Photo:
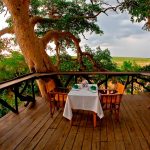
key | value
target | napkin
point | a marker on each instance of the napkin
(93, 87)
(75, 86)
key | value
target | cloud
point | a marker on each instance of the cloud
(121, 36)
(3, 18)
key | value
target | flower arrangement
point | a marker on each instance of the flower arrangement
(84, 83)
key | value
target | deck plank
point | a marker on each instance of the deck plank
(51, 127)
(73, 132)
(110, 128)
(131, 126)
(96, 138)
(81, 132)
(24, 127)
(135, 113)
(24, 114)
(35, 129)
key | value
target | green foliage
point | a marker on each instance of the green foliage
(145, 68)
(12, 66)
(4, 95)
(35, 7)
(2, 9)
(139, 9)
(130, 66)
(73, 16)
(104, 58)
(67, 63)
(3, 111)
(101, 57)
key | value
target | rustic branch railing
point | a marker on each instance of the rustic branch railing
(15, 84)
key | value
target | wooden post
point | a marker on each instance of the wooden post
(32, 86)
(132, 85)
(16, 90)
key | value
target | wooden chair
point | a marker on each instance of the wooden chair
(120, 88)
(111, 99)
(57, 96)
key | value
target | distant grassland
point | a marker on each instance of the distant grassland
(138, 61)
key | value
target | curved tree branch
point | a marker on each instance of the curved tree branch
(81, 54)
(38, 19)
(56, 36)
(101, 11)
(52, 35)
(8, 30)
(95, 65)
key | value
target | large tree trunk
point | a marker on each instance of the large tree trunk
(31, 46)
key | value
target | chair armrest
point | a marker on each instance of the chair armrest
(61, 90)
(58, 96)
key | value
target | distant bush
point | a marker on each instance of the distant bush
(145, 68)
(130, 66)
(13, 66)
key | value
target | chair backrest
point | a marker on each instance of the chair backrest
(120, 88)
(57, 95)
(50, 86)
(110, 98)
(111, 101)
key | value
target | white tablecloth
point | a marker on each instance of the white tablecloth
(83, 99)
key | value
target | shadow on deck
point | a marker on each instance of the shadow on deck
(35, 129)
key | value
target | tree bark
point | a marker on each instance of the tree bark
(31, 46)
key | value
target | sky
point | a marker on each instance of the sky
(122, 37)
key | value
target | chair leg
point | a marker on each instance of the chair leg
(71, 122)
(94, 119)
(51, 112)
(118, 109)
(57, 104)
(117, 115)
(52, 108)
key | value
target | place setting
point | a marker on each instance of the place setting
(85, 86)
(93, 88)
(76, 87)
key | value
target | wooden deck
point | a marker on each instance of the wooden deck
(33, 128)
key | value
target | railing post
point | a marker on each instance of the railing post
(106, 83)
(16, 90)
(75, 78)
(32, 86)
(132, 80)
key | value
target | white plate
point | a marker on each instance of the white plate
(93, 91)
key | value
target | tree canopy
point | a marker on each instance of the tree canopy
(139, 10)
(75, 16)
